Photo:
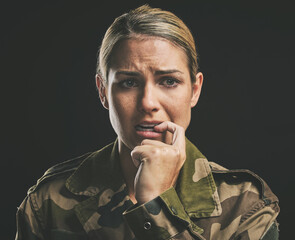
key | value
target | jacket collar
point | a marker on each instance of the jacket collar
(196, 184)
(102, 170)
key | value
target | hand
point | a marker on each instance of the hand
(158, 163)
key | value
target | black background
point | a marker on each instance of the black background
(51, 110)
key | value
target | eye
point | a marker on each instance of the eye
(128, 83)
(170, 82)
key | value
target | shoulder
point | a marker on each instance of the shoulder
(55, 180)
(50, 191)
(249, 207)
(59, 171)
(239, 181)
(49, 201)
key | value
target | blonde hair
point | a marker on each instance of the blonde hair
(150, 22)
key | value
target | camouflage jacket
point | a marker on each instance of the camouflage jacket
(86, 198)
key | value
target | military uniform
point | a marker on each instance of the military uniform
(87, 198)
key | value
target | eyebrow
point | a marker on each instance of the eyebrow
(129, 73)
(163, 72)
(158, 72)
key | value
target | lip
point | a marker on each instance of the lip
(150, 122)
(148, 125)
(148, 134)
(145, 129)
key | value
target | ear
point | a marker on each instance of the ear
(100, 84)
(196, 86)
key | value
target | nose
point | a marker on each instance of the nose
(148, 99)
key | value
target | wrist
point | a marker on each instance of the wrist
(142, 199)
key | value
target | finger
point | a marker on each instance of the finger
(152, 142)
(163, 127)
(138, 156)
(177, 131)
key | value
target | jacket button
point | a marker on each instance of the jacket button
(174, 210)
(147, 225)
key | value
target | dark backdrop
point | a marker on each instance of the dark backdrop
(51, 109)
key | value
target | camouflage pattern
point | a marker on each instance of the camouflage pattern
(86, 198)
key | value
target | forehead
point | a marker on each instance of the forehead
(152, 51)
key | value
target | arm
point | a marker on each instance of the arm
(27, 225)
(261, 224)
(165, 218)
(162, 218)
(272, 233)
(159, 213)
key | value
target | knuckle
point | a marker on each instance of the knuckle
(155, 151)
(175, 150)
(183, 156)
(181, 129)
(135, 149)
(179, 154)
(165, 151)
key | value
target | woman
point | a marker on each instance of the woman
(151, 183)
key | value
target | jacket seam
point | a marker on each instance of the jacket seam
(34, 204)
(47, 178)
(258, 206)
(212, 185)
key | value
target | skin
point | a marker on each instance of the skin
(149, 81)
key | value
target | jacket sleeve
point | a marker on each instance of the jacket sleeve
(272, 232)
(261, 224)
(28, 227)
(162, 218)
(165, 218)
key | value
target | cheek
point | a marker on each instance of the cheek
(121, 105)
(118, 114)
(179, 109)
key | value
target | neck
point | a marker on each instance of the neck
(128, 168)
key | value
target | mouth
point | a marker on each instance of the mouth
(145, 130)
(146, 127)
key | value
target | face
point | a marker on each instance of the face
(148, 83)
